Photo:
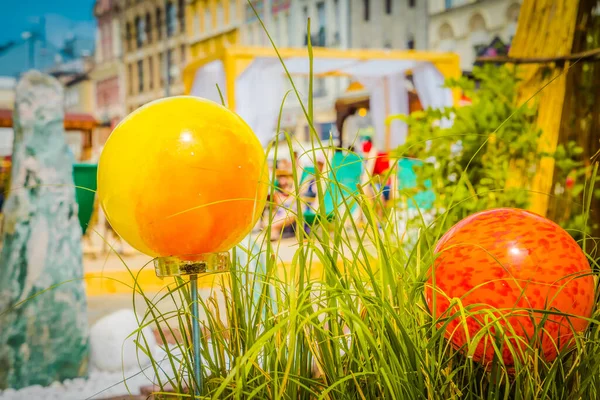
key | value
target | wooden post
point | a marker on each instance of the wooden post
(546, 29)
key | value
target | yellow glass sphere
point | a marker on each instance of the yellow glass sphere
(182, 176)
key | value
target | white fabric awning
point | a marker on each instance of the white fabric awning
(261, 87)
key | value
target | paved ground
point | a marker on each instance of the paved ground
(109, 280)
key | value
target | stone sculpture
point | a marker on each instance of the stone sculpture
(43, 322)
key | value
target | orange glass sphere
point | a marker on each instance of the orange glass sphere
(507, 263)
(182, 176)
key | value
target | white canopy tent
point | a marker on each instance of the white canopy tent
(253, 82)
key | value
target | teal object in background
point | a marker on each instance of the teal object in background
(308, 172)
(407, 179)
(85, 178)
(342, 185)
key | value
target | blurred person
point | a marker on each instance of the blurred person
(350, 129)
(284, 201)
(377, 180)
(308, 189)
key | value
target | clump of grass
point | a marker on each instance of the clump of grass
(346, 319)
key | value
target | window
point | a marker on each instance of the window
(479, 35)
(128, 36)
(170, 64)
(196, 22)
(320, 89)
(327, 130)
(150, 72)
(410, 43)
(305, 15)
(130, 78)
(161, 68)
(140, 32)
(181, 15)
(140, 68)
(290, 30)
(105, 29)
(158, 24)
(171, 19)
(446, 38)
(277, 23)
(412, 3)
(182, 54)
(249, 35)
(338, 22)
(366, 10)
(388, 6)
(305, 23)
(71, 98)
(107, 92)
(207, 18)
(148, 28)
(336, 11)
(220, 15)
(448, 3)
(321, 20)
(232, 11)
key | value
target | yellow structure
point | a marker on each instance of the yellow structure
(236, 59)
(546, 28)
(154, 45)
(211, 26)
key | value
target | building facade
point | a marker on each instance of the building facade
(341, 24)
(108, 74)
(392, 24)
(155, 49)
(471, 28)
(286, 23)
(211, 25)
(7, 102)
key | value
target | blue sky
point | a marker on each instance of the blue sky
(62, 17)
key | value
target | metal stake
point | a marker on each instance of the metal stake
(196, 335)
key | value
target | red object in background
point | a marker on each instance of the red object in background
(464, 100)
(570, 183)
(506, 263)
(367, 146)
(382, 163)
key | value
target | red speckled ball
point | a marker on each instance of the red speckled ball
(507, 263)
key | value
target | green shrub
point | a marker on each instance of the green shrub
(498, 157)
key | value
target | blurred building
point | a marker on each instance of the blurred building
(108, 74)
(341, 24)
(155, 49)
(286, 23)
(7, 92)
(472, 28)
(392, 24)
(211, 25)
(79, 93)
(7, 102)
